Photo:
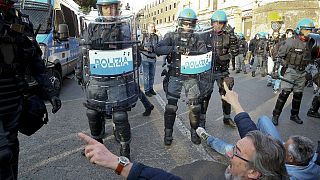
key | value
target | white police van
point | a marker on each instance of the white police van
(58, 35)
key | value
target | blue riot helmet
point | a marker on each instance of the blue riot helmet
(187, 20)
(108, 7)
(219, 20)
(262, 35)
(240, 35)
(304, 24)
(219, 16)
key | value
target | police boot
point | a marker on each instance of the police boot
(313, 111)
(253, 73)
(296, 102)
(226, 108)
(283, 96)
(194, 137)
(168, 136)
(125, 149)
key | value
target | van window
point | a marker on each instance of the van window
(71, 21)
(59, 19)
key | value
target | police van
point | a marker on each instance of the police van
(56, 23)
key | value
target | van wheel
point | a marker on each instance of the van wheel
(56, 81)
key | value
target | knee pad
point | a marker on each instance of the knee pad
(5, 156)
(120, 117)
(171, 109)
(92, 114)
(96, 124)
(195, 109)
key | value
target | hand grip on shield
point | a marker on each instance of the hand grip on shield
(229, 81)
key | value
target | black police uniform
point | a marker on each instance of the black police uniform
(114, 95)
(174, 44)
(223, 45)
(17, 54)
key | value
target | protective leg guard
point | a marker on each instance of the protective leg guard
(170, 116)
(204, 108)
(313, 111)
(296, 102)
(96, 124)
(125, 149)
(283, 96)
(122, 129)
(194, 116)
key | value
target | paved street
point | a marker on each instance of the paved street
(54, 151)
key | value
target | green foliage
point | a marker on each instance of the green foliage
(86, 4)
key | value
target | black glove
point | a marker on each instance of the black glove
(56, 104)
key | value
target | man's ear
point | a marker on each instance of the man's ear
(253, 174)
(290, 159)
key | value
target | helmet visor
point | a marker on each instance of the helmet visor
(187, 25)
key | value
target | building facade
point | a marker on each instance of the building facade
(248, 17)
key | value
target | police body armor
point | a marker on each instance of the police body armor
(111, 69)
(261, 49)
(13, 42)
(297, 55)
(192, 65)
(242, 47)
(221, 53)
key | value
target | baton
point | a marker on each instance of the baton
(283, 79)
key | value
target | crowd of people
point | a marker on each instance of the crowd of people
(194, 61)
(261, 153)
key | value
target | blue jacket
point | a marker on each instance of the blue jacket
(140, 172)
(244, 124)
(310, 172)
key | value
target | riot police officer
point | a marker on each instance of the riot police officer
(111, 90)
(261, 55)
(243, 48)
(223, 43)
(19, 53)
(176, 44)
(294, 56)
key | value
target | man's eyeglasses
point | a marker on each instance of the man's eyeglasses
(235, 153)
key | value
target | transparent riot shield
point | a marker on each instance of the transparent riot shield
(111, 66)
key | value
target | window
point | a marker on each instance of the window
(165, 20)
(157, 21)
(59, 19)
(158, 11)
(160, 21)
(170, 7)
(175, 5)
(155, 12)
(161, 10)
(166, 8)
(172, 17)
(71, 21)
(169, 19)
